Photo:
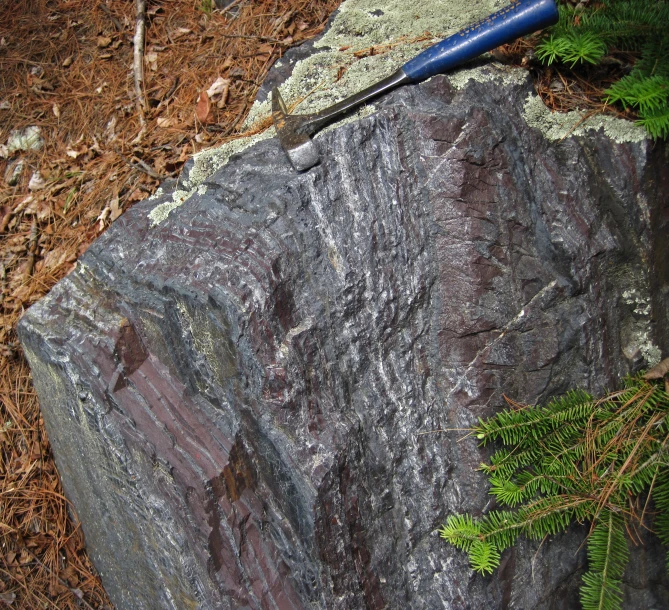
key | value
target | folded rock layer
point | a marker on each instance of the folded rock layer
(250, 402)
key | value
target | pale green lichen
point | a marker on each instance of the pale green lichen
(158, 194)
(205, 163)
(637, 338)
(361, 24)
(162, 211)
(559, 125)
(506, 75)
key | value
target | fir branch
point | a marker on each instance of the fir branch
(656, 122)
(483, 557)
(574, 460)
(607, 557)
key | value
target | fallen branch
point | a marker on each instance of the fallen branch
(261, 38)
(140, 166)
(114, 20)
(138, 66)
(32, 249)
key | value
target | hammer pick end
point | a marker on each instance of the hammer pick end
(301, 151)
(278, 105)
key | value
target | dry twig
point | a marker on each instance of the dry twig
(138, 65)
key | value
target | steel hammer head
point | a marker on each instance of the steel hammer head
(293, 132)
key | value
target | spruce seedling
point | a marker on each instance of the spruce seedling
(586, 35)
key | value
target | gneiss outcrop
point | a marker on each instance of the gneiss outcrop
(244, 399)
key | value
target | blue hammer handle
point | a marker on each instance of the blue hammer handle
(520, 18)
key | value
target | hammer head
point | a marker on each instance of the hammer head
(293, 134)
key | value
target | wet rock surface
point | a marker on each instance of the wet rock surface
(237, 397)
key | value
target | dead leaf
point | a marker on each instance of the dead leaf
(166, 121)
(110, 129)
(102, 217)
(8, 598)
(103, 42)
(203, 108)
(115, 208)
(658, 371)
(151, 59)
(137, 195)
(218, 86)
(22, 205)
(55, 258)
(41, 84)
(38, 208)
(37, 183)
(159, 164)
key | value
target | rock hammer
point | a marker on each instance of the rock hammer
(520, 18)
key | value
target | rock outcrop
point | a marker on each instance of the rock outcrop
(244, 400)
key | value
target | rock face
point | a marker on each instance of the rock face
(237, 397)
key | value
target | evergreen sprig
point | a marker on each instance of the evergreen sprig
(586, 35)
(577, 459)
(607, 558)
